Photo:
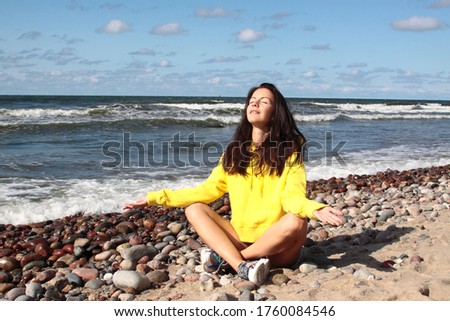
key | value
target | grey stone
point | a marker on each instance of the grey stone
(127, 280)
(135, 252)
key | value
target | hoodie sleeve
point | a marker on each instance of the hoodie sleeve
(213, 188)
(293, 197)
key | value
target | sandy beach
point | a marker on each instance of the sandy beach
(393, 246)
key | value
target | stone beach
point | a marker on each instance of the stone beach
(394, 245)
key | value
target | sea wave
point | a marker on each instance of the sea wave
(213, 114)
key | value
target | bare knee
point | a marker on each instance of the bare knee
(194, 211)
(294, 226)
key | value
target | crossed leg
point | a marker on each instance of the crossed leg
(281, 243)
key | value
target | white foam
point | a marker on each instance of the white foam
(198, 106)
(25, 201)
(373, 161)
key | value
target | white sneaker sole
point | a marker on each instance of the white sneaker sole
(258, 274)
(205, 258)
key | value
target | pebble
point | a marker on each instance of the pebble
(224, 280)
(207, 285)
(192, 277)
(245, 286)
(220, 296)
(131, 281)
(94, 284)
(136, 252)
(86, 274)
(12, 294)
(246, 296)
(386, 214)
(74, 279)
(307, 267)
(157, 276)
(59, 259)
(315, 284)
(34, 290)
(363, 274)
(280, 279)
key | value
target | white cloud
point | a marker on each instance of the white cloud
(168, 29)
(115, 26)
(440, 4)
(211, 12)
(310, 74)
(213, 81)
(418, 24)
(164, 63)
(249, 35)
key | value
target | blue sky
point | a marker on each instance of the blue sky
(308, 48)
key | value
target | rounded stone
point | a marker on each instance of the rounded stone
(86, 274)
(280, 279)
(74, 279)
(94, 284)
(131, 281)
(307, 267)
(135, 252)
(34, 290)
(157, 276)
(363, 274)
(12, 294)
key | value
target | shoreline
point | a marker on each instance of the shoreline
(392, 247)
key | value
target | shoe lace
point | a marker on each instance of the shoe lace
(219, 262)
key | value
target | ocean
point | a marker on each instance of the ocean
(60, 155)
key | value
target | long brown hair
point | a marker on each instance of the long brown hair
(284, 140)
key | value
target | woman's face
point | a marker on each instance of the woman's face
(261, 108)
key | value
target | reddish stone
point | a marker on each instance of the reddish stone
(58, 252)
(144, 260)
(135, 240)
(5, 287)
(5, 252)
(8, 263)
(86, 274)
(68, 248)
(149, 224)
(192, 277)
(17, 247)
(30, 258)
(45, 276)
(416, 259)
(39, 240)
(43, 249)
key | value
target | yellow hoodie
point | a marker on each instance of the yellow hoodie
(257, 201)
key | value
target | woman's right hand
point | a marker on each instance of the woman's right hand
(139, 203)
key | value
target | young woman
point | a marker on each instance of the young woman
(262, 170)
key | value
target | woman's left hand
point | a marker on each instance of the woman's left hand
(330, 215)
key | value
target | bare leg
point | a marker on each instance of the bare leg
(216, 232)
(282, 242)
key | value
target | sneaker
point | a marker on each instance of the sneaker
(254, 271)
(211, 261)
